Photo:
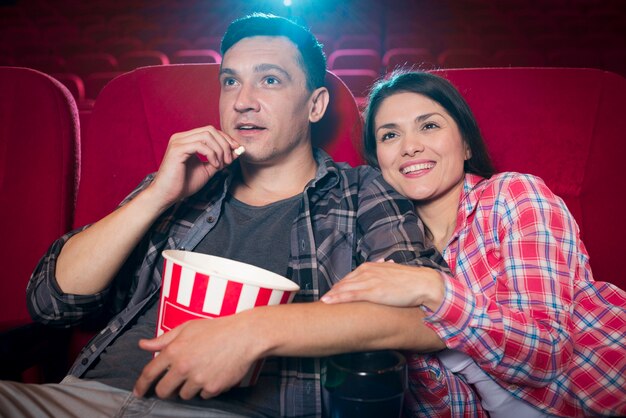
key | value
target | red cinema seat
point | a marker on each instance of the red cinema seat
(95, 82)
(518, 57)
(39, 146)
(73, 83)
(408, 39)
(358, 41)
(117, 46)
(92, 62)
(359, 81)
(463, 58)
(567, 127)
(169, 45)
(44, 63)
(39, 170)
(408, 57)
(134, 59)
(136, 114)
(364, 59)
(195, 56)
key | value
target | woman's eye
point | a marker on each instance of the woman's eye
(430, 125)
(388, 135)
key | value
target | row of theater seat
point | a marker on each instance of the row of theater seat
(495, 36)
(432, 25)
(86, 74)
(363, 40)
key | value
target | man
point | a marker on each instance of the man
(321, 220)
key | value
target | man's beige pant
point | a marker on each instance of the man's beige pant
(74, 397)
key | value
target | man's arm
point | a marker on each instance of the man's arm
(90, 260)
(210, 356)
(99, 251)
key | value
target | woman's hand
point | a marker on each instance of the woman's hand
(388, 283)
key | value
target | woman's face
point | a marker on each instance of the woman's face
(419, 147)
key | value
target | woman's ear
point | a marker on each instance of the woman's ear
(468, 152)
(318, 104)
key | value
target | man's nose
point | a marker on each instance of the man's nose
(246, 100)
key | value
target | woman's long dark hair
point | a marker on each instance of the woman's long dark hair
(441, 91)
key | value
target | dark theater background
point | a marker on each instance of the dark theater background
(85, 43)
(567, 127)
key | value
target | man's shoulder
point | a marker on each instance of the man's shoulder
(365, 185)
(361, 175)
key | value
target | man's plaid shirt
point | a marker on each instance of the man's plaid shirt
(347, 216)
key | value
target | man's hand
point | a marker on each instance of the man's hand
(191, 159)
(205, 357)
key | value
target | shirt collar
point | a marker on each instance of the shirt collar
(327, 174)
(473, 186)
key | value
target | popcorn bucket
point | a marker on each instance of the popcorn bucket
(197, 286)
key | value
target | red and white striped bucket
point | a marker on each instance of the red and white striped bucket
(204, 286)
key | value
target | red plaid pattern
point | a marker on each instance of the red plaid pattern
(523, 304)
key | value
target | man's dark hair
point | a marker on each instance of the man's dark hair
(311, 59)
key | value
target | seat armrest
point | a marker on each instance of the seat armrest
(34, 348)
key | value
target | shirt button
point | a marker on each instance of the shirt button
(210, 219)
(84, 361)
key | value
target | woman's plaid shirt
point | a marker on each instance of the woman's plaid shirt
(523, 304)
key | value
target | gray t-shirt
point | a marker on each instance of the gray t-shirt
(250, 234)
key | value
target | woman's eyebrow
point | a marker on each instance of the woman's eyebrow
(420, 118)
(390, 125)
(423, 117)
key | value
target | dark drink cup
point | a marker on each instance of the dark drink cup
(366, 385)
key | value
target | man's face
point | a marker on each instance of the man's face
(264, 102)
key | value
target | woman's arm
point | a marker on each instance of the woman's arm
(508, 305)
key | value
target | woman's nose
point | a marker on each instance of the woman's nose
(412, 145)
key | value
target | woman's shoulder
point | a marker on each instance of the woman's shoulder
(511, 194)
(511, 183)
(513, 177)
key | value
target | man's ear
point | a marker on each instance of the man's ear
(318, 104)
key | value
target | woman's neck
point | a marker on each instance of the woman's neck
(439, 216)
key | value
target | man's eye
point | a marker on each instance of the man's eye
(229, 81)
(271, 80)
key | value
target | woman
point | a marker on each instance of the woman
(528, 331)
